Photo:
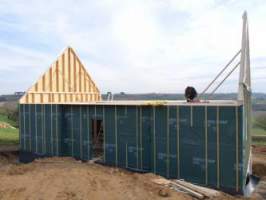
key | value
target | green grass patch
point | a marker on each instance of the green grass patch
(4, 118)
(9, 136)
(259, 142)
(258, 136)
(258, 131)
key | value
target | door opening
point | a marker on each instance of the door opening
(97, 138)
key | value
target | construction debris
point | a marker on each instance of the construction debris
(6, 125)
(191, 189)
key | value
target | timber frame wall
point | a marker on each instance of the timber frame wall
(65, 81)
(201, 144)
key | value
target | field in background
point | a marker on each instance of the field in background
(4, 118)
(9, 136)
(9, 133)
(259, 128)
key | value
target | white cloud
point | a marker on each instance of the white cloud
(134, 46)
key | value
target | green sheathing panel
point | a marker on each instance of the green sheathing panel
(160, 138)
(172, 140)
(192, 140)
(227, 130)
(242, 175)
(76, 137)
(211, 146)
(92, 115)
(48, 130)
(127, 135)
(202, 144)
(146, 158)
(27, 132)
(229, 147)
(67, 141)
(198, 128)
(33, 126)
(40, 128)
(110, 135)
(85, 133)
(123, 134)
(76, 131)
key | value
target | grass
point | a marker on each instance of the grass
(258, 131)
(4, 118)
(258, 136)
(9, 136)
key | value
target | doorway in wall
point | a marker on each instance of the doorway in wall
(97, 138)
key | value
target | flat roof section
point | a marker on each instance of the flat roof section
(157, 103)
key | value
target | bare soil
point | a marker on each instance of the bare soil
(259, 161)
(68, 179)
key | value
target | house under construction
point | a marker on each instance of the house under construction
(206, 142)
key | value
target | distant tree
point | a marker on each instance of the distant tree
(2, 99)
(10, 109)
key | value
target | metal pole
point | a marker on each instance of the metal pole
(224, 78)
(219, 74)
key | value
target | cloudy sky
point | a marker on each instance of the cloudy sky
(134, 46)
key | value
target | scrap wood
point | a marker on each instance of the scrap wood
(165, 182)
(202, 190)
(6, 125)
(188, 190)
(161, 181)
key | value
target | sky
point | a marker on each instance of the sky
(134, 46)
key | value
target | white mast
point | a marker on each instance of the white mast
(244, 91)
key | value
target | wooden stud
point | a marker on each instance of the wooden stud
(63, 72)
(57, 76)
(69, 70)
(41, 98)
(36, 87)
(79, 77)
(74, 73)
(43, 82)
(50, 79)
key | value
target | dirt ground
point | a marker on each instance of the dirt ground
(259, 161)
(68, 179)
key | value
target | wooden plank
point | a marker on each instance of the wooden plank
(43, 83)
(188, 190)
(79, 77)
(75, 75)
(69, 70)
(50, 79)
(63, 72)
(57, 76)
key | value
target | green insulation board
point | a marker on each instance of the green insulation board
(201, 144)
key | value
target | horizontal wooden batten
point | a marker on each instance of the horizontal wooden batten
(63, 93)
